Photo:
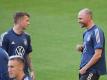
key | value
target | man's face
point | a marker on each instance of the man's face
(24, 22)
(83, 19)
(13, 68)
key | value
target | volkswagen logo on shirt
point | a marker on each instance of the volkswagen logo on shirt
(20, 51)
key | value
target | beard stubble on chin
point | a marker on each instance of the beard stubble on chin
(82, 25)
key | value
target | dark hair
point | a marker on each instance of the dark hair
(19, 15)
(18, 58)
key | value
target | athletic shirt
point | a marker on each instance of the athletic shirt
(15, 44)
(27, 78)
(94, 39)
(3, 65)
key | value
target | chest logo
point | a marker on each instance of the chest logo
(25, 42)
(20, 51)
(13, 42)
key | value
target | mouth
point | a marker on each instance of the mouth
(82, 25)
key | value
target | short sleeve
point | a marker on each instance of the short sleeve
(4, 41)
(29, 49)
(99, 39)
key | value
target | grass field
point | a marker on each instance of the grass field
(55, 33)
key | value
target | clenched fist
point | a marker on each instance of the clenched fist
(79, 48)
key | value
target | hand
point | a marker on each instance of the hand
(79, 48)
(83, 70)
(32, 75)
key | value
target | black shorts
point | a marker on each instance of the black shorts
(89, 76)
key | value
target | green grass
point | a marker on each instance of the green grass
(55, 33)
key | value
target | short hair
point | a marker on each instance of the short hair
(87, 11)
(19, 15)
(18, 58)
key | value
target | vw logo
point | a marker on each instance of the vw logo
(20, 51)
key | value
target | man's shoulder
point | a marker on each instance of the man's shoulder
(7, 33)
(3, 53)
(27, 78)
(4, 34)
(27, 34)
(98, 30)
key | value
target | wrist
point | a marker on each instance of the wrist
(86, 67)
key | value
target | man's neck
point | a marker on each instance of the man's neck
(90, 25)
(20, 76)
(17, 29)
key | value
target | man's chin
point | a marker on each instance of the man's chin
(12, 77)
(82, 26)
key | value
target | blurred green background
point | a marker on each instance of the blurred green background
(55, 32)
